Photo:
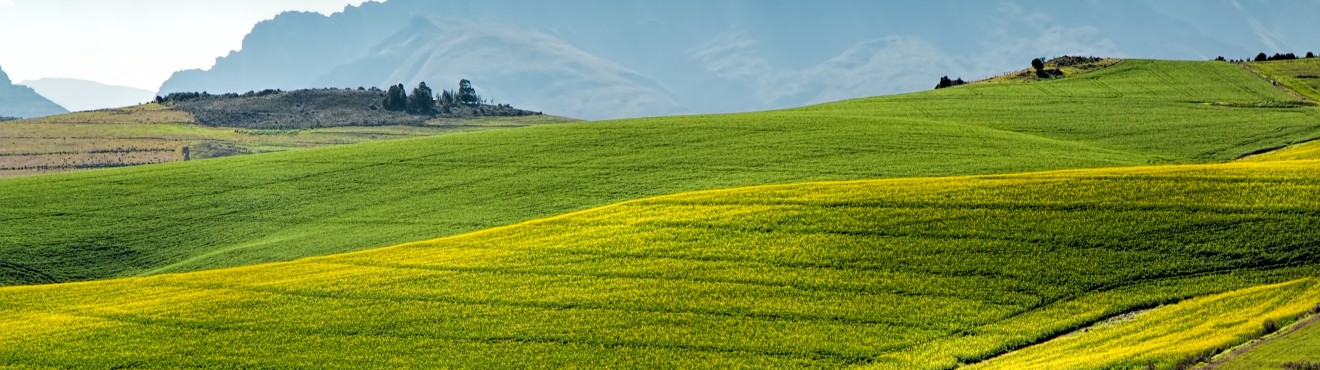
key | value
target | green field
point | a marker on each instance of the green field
(1297, 347)
(151, 134)
(1299, 75)
(1095, 221)
(908, 273)
(281, 206)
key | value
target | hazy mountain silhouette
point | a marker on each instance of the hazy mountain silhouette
(530, 70)
(725, 55)
(24, 102)
(81, 95)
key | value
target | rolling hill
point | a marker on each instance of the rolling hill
(282, 206)
(930, 273)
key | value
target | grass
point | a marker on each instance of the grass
(1298, 348)
(281, 206)
(924, 273)
(1170, 336)
(1299, 75)
(151, 133)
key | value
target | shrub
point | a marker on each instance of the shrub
(1269, 326)
(946, 82)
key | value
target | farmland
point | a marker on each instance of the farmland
(152, 133)
(282, 206)
(1136, 215)
(1299, 75)
(1296, 347)
(924, 273)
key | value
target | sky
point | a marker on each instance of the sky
(135, 43)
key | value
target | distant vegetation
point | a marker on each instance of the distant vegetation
(1262, 57)
(316, 108)
(945, 82)
(1041, 69)
(460, 103)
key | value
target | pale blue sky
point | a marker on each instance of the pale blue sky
(139, 43)
(135, 43)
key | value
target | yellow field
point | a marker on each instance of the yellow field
(910, 273)
(1207, 323)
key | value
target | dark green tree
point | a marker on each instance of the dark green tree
(447, 99)
(1262, 57)
(466, 94)
(1038, 64)
(944, 82)
(396, 99)
(422, 100)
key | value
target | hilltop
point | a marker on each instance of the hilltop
(313, 108)
(377, 194)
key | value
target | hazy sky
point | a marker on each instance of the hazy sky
(136, 43)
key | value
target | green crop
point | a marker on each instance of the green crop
(909, 273)
(282, 206)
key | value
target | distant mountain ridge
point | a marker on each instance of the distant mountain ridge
(619, 58)
(24, 102)
(531, 69)
(83, 95)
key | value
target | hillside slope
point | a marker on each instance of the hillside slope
(908, 273)
(281, 206)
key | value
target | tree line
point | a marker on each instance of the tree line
(423, 100)
(1262, 57)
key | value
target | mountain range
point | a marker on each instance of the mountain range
(24, 102)
(82, 95)
(620, 58)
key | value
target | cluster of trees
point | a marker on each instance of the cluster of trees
(1039, 65)
(188, 96)
(1289, 56)
(946, 82)
(1262, 57)
(423, 100)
